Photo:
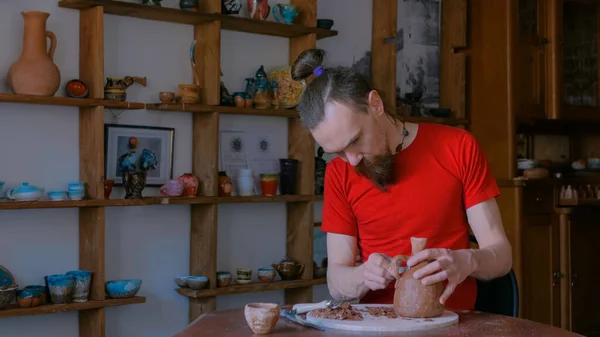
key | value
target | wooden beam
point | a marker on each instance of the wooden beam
(383, 55)
(453, 64)
(91, 165)
(302, 147)
(205, 157)
(554, 72)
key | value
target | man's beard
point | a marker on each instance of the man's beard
(381, 170)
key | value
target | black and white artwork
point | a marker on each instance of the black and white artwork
(417, 53)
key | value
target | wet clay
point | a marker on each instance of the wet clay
(411, 297)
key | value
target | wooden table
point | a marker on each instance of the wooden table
(231, 323)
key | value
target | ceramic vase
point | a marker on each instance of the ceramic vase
(134, 183)
(35, 73)
(190, 185)
(289, 168)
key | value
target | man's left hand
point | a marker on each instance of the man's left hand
(446, 264)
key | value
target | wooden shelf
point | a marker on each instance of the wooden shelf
(202, 108)
(67, 101)
(16, 311)
(7, 204)
(250, 288)
(579, 202)
(173, 15)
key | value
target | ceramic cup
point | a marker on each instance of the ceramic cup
(58, 195)
(266, 274)
(269, 183)
(61, 288)
(261, 317)
(244, 275)
(81, 289)
(76, 186)
(245, 186)
(76, 195)
(223, 279)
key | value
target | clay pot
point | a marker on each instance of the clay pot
(190, 185)
(261, 317)
(134, 183)
(225, 185)
(412, 298)
(35, 73)
(108, 185)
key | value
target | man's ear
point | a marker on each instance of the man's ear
(375, 103)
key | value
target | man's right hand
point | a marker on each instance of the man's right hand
(375, 271)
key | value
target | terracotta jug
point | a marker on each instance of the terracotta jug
(411, 297)
(35, 73)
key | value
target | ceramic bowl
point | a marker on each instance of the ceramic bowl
(76, 195)
(42, 290)
(320, 272)
(29, 298)
(261, 317)
(76, 186)
(223, 279)
(58, 195)
(76, 89)
(7, 296)
(196, 282)
(266, 274)
(166, 97)
(122, 288)
(324, 23)
(181, 282)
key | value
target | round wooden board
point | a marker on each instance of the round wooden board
(384, 324)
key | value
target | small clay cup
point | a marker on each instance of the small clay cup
(166, 97)
(261, 317)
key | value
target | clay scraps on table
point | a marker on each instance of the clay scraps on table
(344, 312)
(387, 312)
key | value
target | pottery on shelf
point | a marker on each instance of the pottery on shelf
(76, 89)
(289, 169)
(411, 297)
(152, 2)
(81, 288)
(58, 195)
(266, 274)
(7, 280)
(269, 183)
(25, 192)
(181, 282)
(122, 288)
(114, 89)
(258, 9)
(29, 297)
(134, 183)
(35, 73)
(108, 185)
(190, 5)
(39, 290)
(196, 282)
(166, 97)
(289, 269)
(223, 279)
(172, 188)
(261, 317)
(190, 184)
(61, 288)
(285, 13)
(244, 276)
(324, 23)
(7, 296)
(225, 185)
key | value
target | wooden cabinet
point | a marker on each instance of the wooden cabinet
(531, 58)
(580, 271)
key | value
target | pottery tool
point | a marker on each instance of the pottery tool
(291, 316)
(372, 323)
(302, 308)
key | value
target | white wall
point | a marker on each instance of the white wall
(39, 144)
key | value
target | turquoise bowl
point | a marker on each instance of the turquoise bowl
(122, 288)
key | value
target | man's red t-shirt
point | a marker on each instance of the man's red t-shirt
(439, 176)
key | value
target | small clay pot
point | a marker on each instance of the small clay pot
(223, 279)
(166, 97)
(261, 317)
(266, 274)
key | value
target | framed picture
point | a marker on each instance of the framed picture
(122, 139)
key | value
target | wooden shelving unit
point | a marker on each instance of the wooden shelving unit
(16, 311)
(67, 101)
(250, 288)
(228, 110)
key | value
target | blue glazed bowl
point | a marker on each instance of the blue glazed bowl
(123, 288)
(76, 195)
(78, 186)
(58, 195)
(60, 280)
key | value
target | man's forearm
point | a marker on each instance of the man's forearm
(492, 261)
(346, 282)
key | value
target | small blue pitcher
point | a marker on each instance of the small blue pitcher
(284, 13)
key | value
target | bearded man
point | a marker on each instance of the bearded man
(392, 181)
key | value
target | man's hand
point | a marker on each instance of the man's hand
(375, 271)
(451, 265)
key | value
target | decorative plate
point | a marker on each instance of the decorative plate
(6, 278)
